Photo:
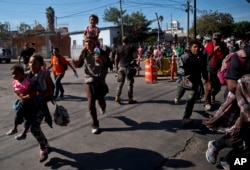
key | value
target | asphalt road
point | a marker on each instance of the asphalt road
(143, 136)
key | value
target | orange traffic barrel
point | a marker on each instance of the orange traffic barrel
(150, 70)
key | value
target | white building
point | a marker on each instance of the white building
(106, 37)
(176, 29)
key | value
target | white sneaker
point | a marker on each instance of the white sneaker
(176, 101)
(95, 130)
(211, 153)
(207, 107)
(102, 111)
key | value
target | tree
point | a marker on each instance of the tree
(4, 27)
(161, 19)
(23, 27)
(50, 14)
(134, 24)
(113, 15)
(241, 30)
(211, 22)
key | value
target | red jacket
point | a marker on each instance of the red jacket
(217, 56)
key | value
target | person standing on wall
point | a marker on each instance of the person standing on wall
(59, 65)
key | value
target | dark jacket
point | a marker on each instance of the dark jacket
(192, 66)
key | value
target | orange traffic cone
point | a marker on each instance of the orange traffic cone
(150, 70)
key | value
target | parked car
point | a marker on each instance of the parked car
(5, 55)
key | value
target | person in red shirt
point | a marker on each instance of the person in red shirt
(216, 51)
(57, 63)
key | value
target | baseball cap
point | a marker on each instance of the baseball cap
(217, 35)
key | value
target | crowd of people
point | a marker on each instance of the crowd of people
(198, 66)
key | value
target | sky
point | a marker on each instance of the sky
(74, 14)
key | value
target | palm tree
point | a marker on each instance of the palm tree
(161, 19)
(24, 27)
(50, 14)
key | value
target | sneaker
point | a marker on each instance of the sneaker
(102, 111)
(21, 136)
(43, 155)
(11, 132)
(224, 164)
(95, 130)
(132, 101)
(207, 107)
(117, 99)
(211, 153)
(176, 101)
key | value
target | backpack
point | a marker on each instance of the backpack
(61, 116)
(50, 96)
(226, 63)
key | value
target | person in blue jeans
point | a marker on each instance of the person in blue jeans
(58, 63)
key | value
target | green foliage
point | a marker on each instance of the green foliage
(151, 40)
(4, 27)
(211, 22)
(113, 15)
(241, 30)
(24, 27)
(50, 14)
(134, 24)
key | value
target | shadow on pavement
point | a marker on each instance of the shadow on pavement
(120, 158)
(177, 163)
(168, 125)
(72, 98)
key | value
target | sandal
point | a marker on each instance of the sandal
(43, 155)
(187, 121)
(11, 132)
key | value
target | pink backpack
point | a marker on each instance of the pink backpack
(226, 63)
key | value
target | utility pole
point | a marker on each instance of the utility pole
(158, 37)
(195, 19)
(187, 10)
(121, 18)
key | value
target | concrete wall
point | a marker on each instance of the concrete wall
(43, 44)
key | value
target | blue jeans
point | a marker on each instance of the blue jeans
(58, 85)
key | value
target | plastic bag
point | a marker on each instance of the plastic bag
(61, 116)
